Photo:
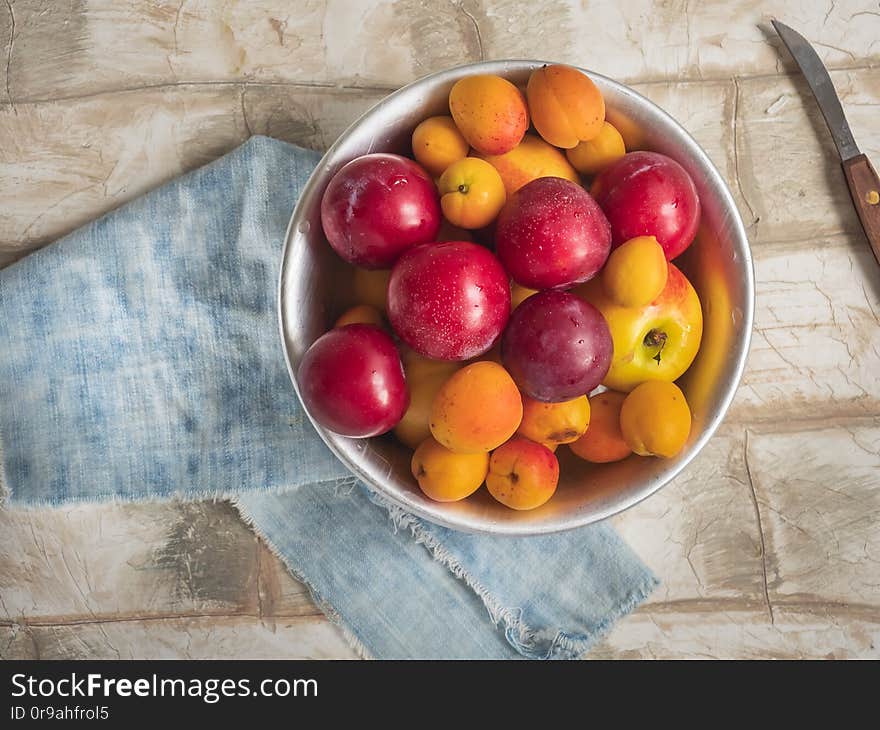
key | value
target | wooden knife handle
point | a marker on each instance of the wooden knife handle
(864, 186)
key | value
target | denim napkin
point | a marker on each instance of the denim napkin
(140, 359)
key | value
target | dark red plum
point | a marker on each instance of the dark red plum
(376, 207)
(450, 300)
(552, 234)
(352, 383)
(556, 346)
(649, 194)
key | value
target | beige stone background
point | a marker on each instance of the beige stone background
(768, 545)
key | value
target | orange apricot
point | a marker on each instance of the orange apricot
(522, 474)
(530, 159)
(554, 423)
(361, 314)
(477, 409)
(603, 442)
(490, 112)
(567, 107)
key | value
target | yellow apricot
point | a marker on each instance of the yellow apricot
(655, 419)
(518, 294)
(636, 272)
(437, 143)
(424, 378)
(594, 155)
(471, 193)
(371, 287)
(446, 476)
(418, 366)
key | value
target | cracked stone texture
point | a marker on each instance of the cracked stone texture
(781, 132)
(385, 44)
(822, 509)
(816, 343)
(766, 544)
(193, 638)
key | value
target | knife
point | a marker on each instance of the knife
(864, 185)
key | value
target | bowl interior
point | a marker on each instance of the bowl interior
(315, 289)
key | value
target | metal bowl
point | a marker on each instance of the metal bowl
(315, 283)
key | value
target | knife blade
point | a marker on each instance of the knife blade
(817, 77)
(861, 178)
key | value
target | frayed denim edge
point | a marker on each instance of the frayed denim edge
(525, 640)
(325, 607)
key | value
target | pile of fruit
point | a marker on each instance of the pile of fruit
(505, 307)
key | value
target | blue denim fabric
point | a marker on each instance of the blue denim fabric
(140, 359)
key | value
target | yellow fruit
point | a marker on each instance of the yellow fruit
(635, 272)
(424, 378)
(437, 143)
(655, 342)
(518, 294)
(371, 287)
(554, 423)
(471, 193)
(415, 427)
(446, 476)
(418, 367)
(655, 419)
(530, 159)
(361, 314)
(593, 156)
